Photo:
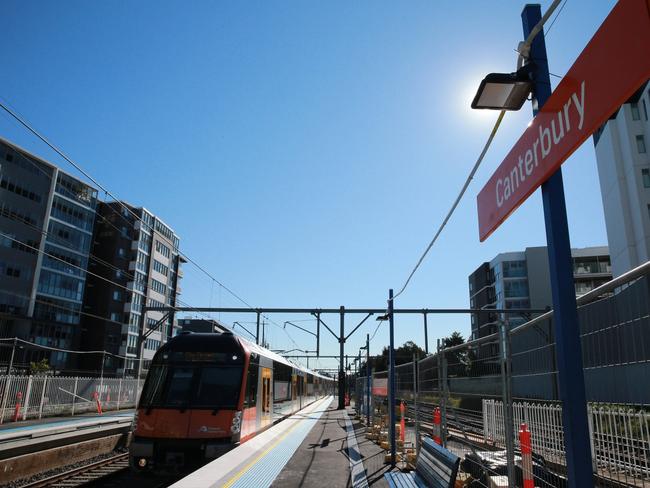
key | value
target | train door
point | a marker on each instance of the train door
(267, 398)
(294, 393)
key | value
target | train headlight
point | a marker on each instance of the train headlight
(236, 423)
(142, 462)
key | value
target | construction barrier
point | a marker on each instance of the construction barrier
(437, 421)
(526, 456)
(19, 399)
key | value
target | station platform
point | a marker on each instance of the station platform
(57, 422)
(318, 446)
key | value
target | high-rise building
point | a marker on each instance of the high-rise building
(46, 225)
(623, 157)
(140, 256)
(519, 280)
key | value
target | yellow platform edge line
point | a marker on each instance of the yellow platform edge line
(243, 471)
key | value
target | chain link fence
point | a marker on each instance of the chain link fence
(31, 397)
(474, 397)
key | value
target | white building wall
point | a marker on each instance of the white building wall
(625, 198)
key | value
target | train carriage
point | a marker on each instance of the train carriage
(207, 393)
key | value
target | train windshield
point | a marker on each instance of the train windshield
(192, 386)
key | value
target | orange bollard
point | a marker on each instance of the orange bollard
(526, 456)
(437, 421)
(402, 422)
(19, 399)
(99, 405)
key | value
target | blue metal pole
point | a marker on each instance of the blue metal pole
(391, 380)
(565, 314)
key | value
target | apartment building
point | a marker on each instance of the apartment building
(520, 280)
(623, 159)
(46, 227)
(139, 252)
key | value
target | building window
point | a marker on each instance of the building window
(640, 144)
(645, 110)
(121, 252)
(115, 316)
(117, 295)
(634, 108)
(645, 173)
(648, 210)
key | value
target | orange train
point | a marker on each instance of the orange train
(207, 393)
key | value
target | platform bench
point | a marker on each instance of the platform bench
(436, 467)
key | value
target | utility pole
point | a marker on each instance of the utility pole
(391, 380)
(426, 335)
(369, 380)
(565, 314)
(341, 363)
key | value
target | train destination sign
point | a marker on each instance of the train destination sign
(613, 65)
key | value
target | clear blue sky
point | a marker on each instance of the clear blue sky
(305, 152)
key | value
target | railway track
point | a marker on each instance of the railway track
(84, 474)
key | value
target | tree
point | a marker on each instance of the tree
(41, 367)
(403, 355)
(458, 361)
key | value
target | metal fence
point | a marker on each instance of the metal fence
(486, 388)
(620, 437)
(29, 397)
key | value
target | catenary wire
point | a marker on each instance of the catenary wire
(523, 54)
(25, 124)
(31, 129)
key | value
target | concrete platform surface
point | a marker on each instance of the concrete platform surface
(331, 456)
(68, 419)
(257, 462)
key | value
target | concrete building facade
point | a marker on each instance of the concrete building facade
(46, 224)
(141, 257)
(519, 280)
(623, 157)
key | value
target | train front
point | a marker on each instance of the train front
(190, 406)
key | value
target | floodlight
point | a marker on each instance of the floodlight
(504, 91)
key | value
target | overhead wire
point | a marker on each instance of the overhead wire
(31, 129)
(22, 120)
(523, 50)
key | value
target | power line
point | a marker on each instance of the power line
(25, 124)
(55, 239)
(456, 202)
(523, 51)
(555, 18)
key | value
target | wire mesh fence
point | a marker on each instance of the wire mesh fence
(479, 399)
(30, 397)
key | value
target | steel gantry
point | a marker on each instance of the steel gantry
(385, 314)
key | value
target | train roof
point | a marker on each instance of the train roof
(223, 342)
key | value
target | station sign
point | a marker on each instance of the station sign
(613, 65)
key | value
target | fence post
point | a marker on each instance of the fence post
(445, 396)
(590, 419)
(74, 396)
(119, 393)
(416, 376)
(5, 394)
(504, 349)
(40, 407)
(28, 394)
